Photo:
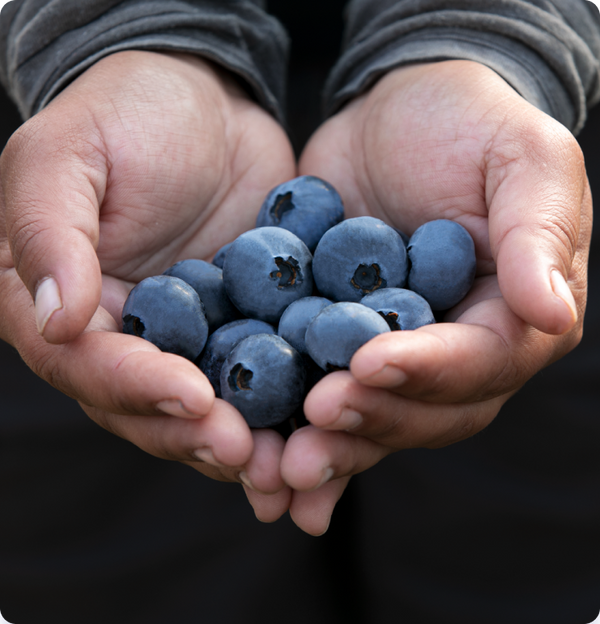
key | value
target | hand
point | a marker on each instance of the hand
(144, 160)
(449, 140)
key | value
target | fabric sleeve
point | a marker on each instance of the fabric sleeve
(46, 44)
(546, 50)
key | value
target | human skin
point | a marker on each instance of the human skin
(144, 160)
(449, 140)
(147, 159)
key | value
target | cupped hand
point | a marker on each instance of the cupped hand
(449, 140)
(144, 160)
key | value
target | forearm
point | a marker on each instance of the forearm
(547, 51)
(43, 50)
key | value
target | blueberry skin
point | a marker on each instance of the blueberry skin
(443, 263)
(207, 280)
(306, 206)
(219, 258)
(168, 313)
(263, 378)
(297, 317)
(401, 309)
(221, 343)
(337, 333)
(358, 256)
(265, 270)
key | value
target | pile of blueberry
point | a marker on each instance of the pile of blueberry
(295, 298)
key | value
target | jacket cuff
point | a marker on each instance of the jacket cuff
(551, 61)
(46, 49)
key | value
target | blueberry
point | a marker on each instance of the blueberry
(357, 257)
(263, 377)
(167, 312)
(337, 332)
(443, 263)
(219, 258)
(402, 309)
(265, 270)
(306, 206)
(296, 318)
(221, 343)
(207, 280)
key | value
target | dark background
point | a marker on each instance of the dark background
(502, 527)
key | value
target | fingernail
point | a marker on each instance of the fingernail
(47, 302)
(205, 454)
(562, 291)
(174, 407)
(326, 528)
(348, 420)
(389, 377)
(246, 481)
(326, 476)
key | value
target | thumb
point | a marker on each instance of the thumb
(53, 179)
(540, 224)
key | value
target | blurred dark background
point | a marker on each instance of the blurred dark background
(510, 515)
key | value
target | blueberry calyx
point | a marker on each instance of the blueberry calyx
(282, 204)
(135, 324)
(239, 378)
(367, 278)
(288, 272)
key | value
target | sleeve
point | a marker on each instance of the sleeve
(547, 50)
(46, 44)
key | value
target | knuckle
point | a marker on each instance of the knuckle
(560, 229)
(464, 426)
(394, 428)
(28, 238)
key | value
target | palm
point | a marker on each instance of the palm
(185, 172)
(450, 140)
(413, 154)
(144, 160)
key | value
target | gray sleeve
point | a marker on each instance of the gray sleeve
(46, 44)
(546, 50)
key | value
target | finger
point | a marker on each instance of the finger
(269, 507)
(261, 473)
(266, 491)
(490, 351)
(340, 404)
(114, 295)
(539, 220)
(311, 511)
(448, 362)
(221, 439)
(102, 367)
(314, 457)
(53, 179)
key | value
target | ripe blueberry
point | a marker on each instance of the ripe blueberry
(297, 317)
(443, 263)
(265, 270)
(167, 312)
(401, 308)
(263, 378)
(207, 280)
(221, 343)
(339, 330)
(357, 257)
(306, 206)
